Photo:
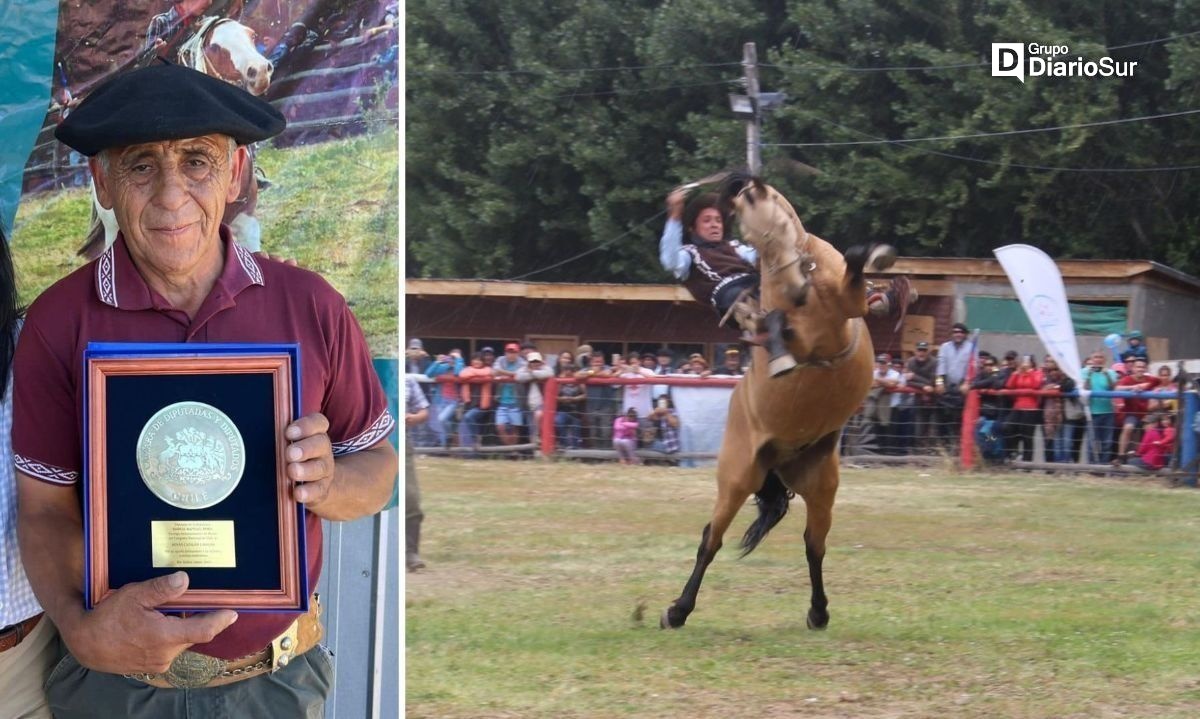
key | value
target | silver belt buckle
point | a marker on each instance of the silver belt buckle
(192, 670)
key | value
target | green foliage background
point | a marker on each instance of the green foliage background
(538, 131)
(333, 207)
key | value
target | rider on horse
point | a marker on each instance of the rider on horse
(717, 270)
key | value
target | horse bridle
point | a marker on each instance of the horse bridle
(802, 255)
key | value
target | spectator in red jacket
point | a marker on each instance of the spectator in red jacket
(1023, 418)
(1155, 447)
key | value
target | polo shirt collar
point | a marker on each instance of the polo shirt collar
(120, 285)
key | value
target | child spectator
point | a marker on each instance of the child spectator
(625, 437)
(1154, 449)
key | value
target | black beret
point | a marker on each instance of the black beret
(166, 102)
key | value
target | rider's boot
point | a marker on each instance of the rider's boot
(782, 360)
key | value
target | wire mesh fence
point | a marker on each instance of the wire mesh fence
(681, 419)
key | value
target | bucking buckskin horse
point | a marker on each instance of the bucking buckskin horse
(782, 433)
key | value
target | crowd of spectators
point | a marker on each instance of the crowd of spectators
(510, 411)
(915, 404)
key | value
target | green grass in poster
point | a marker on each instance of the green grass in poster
(332, 206)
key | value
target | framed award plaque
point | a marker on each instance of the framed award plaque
(184, 470)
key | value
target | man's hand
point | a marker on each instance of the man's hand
(310, 458)
(675, 204)
(125, 634)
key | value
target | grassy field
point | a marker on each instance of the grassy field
(962, 596)
(334, 207)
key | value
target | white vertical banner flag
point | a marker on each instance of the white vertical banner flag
(1039, 286)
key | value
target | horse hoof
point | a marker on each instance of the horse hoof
(781, 365)
(817, 623)
(664, 622)
(881, 258)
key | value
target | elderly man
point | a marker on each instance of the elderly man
(166, 146)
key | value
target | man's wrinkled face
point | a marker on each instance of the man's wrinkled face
(708, 225)
(169, 198)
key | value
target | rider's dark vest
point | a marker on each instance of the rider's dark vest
(714, 265)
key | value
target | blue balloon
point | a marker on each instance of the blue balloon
(1112, 340)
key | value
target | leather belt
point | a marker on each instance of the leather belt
(14, 634)
(192, 670)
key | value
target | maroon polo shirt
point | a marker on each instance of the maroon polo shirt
(253, 301)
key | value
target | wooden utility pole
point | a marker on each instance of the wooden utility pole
(753, 123)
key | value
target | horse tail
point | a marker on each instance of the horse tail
(772, 500)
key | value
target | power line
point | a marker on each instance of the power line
(568, 71)
(998, 163)
(978, 135)
(958, 66)
(597, 248)
(635, 91)
(691, 66)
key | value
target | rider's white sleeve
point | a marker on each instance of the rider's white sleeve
(747, 252)
(670, 250)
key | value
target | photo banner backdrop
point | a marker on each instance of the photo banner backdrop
(324, 192)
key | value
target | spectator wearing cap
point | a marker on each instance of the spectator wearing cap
(166, 147)
(1136, 348)
(509, 414)
(699, 364)
(488, 355)
(921, 374)
(731, 364)
(533, 377)
(953, 360)
(416, 361)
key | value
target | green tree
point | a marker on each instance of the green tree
(541, 137)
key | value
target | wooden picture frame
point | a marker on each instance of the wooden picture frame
(252, 387)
